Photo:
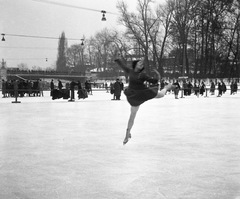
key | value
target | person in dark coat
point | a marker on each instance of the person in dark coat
(112, 90)
(137, 92)
(3, 88)
(82, 93)
(224, 87)
(184, 86)
(177, 88)
(189, 88)
(72, 90)
(60, 84)
(220, 89)
(202, 88)
(196, 89)
(235, 87)
(117, 89)
(88, 87)
(212, 88)
(51, 87)
(232, 88)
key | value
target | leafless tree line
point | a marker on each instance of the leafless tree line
(181, 37)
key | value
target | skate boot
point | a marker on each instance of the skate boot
(127, 137)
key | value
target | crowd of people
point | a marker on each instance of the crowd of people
(35, 88)
(68, 91)
(184, 87)
(200, 88)
(24, 87)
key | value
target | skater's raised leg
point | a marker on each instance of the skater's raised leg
(162, 92)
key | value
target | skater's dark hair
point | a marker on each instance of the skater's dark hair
(134, 63)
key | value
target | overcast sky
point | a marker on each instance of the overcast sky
(35, 18)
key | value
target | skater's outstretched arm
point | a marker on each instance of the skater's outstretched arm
(122, 65)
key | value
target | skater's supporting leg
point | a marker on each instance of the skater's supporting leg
(134, 110)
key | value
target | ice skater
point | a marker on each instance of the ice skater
(137, 92)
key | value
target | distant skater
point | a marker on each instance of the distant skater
(137, 92)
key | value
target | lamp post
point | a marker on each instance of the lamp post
(82, 51)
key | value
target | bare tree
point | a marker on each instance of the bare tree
(183, 15)
(61, 58)
(138, 25)
(23, 66)
(75, 58)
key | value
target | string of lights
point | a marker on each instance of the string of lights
(78, 7)
(6, 35)
(71, 6)
(59, 4)
(15, 59)
(30, 48)
(33, 36)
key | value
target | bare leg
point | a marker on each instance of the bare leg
(162, 92)
(134, 110)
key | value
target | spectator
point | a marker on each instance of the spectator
(106, 86)
(224, 87)
(51, 87)
(72, 90)
(40, 87)
(196, 89)
(60, 85)
(220, 90)
(202, 88)
(117, 89)
(82, 93)
(88, 87)
(177, 88)
(112, 90)
(235, 87)
(212, 88)
(189, 88)
(3, 88)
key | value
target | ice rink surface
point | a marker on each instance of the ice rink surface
(180, 149)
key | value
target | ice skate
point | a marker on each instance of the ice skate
(128, 136)
(125, 140)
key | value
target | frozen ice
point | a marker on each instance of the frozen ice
(180, 149)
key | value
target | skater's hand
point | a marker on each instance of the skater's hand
(117, 55)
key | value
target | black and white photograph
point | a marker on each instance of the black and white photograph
(117, 99)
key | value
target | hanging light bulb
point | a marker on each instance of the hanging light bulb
(82, 42)
(103, 15)
(3, 39)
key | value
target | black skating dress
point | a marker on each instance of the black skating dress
(137, 92)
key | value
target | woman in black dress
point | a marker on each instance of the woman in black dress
(137, 92)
